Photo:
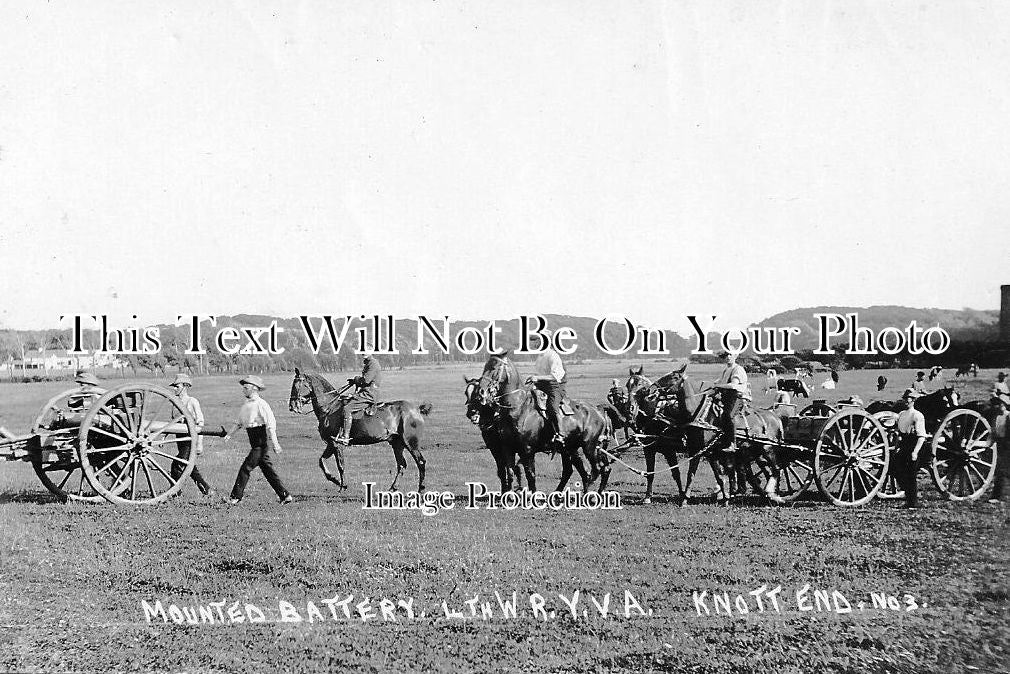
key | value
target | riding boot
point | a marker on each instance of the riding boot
(345, 431)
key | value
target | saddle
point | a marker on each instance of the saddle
(540, 401)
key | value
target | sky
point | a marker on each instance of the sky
(486, 160)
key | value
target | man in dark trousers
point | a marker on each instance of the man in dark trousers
(1001, 440)
(258, 420)
(181, 386)
(366, 388)
(911, 437)
(550, 377)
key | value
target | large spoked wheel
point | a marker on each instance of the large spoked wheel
(889, 420)
(817, 409)
(964, 463)
(851, 457)
(795, 478)
(57, 465)
(136, 444)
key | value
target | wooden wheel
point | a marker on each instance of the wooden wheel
(889, 420)
(851, 457)
(963, 463)
(795, 478)
(817, 409)
(136, 444)
(57, 465)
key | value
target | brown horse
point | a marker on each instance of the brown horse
(524, 430)
(697, 417)
(652, 413)
(398, 422)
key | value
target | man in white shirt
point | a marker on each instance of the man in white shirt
(1001, 439)
(181, 386)
(1000, 387)
(911, 425)
(733, 392)
(550, 377)
(258, 420)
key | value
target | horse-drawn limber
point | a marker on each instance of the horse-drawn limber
(844, 450)
(132, 444)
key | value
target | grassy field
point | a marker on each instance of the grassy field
(74, 576)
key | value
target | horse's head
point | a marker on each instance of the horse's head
(301, 392)
(473, 403)
(495, 379)
(637, 382)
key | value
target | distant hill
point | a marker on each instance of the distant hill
(961, 324)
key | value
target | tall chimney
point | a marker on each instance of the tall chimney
(1004, 314)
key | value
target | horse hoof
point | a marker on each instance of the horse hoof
(646, 501)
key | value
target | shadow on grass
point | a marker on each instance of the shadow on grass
(36, 497)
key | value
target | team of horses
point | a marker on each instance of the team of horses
(673, 416)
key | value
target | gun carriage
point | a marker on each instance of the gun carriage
(132, 444)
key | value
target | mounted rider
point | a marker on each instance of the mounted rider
(734, 391)
(366, 387)
(551, 378)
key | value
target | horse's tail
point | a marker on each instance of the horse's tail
(424, 408)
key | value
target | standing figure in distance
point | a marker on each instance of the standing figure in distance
(911, 426)
(1000, 428)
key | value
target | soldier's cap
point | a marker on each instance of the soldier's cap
(1001, 375)
(182, 379)
(920, 373)
(911, 393)
(254, 380)
(86, 378)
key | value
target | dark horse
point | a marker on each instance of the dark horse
(696, 417)
(497, 438)
(654, 414)
(524, 431)
(934, 406)
(398, 422)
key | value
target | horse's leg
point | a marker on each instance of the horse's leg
(692, 470)
(501, 465)
(413, 443)
(650, 471)
(327, 453)
(338, 457)
(587, 478)
(566, 469)
(529, 461)
(671, 461)
(398, 446)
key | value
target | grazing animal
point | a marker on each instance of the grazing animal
(881, 383)
(525, 431)
(965, 370)
(935, 372)
(771, 381)
(794, 386)
(398, 422)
